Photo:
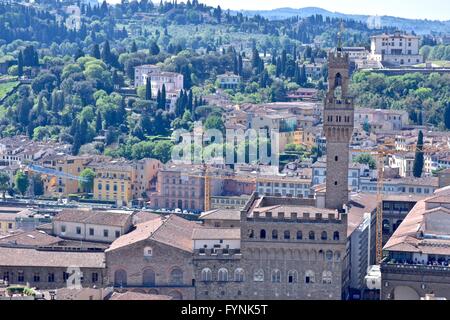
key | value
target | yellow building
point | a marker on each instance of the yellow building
(7, 223)
(113, 181)
(293, 137)
(123, 181)
(72, 165)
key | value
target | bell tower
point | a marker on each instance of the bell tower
(338, 128)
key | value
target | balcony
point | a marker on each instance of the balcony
(218, 253)
(410, 267)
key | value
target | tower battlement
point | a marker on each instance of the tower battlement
(338, 59)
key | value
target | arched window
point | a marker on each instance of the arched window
(312, 235)
(310, 276)
(324, 236)
(258, 275)
(274, 234)
(386, 226)
(251, 234)
(120, 278)
(176, 276)
(223, 275)
(336, 236)
(276, 276)
(337, 256)
(287, 235)
(299, 235)
(338, 80)
(239, 275)
(327, 277)
(206, 275)
(329, 255)
(148, 278)
(262, 234)
(176, 295)
(148, 251)
(292, 276)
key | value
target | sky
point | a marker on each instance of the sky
(420, 9)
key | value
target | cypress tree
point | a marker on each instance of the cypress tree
(134, 47)
(447, 115)
(96, 51)
(158, 99)
(163, 97)
(419, 158)
(106, 52)
(98, 123)
(20, 64)
(148, 89)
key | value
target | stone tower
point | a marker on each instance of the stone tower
(338, 129)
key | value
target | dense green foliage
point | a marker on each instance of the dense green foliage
(423, 96)
(76, 76)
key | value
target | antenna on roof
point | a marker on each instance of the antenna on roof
(340, 33)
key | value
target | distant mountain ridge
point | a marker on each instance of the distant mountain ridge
(417, 25)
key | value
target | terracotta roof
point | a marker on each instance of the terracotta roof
(144, 216)
(138, 296)
(33, 238)
(170, 230)
(221, 214)
(359, 205)
(93, 217)
(216, 233)
(19, 257)
(8, 216)
(407, 237)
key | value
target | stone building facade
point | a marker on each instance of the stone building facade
(155, 258)
(292, 250)
(48, 269)
(417, 259)
(338, 128)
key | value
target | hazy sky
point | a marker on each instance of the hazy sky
(421, 9)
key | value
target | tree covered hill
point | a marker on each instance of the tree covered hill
(410, 25)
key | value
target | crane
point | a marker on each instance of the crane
(53, 173)
(381, 153)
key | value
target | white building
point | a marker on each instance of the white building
(229, 81)
(284, 186)
(355, 172)
(381, 119)
(356, 53)
(396, 49)
(171, 80)
(88, 225)
(73, 21)
(314, 71)
(141, 73)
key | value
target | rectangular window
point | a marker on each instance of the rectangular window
(63, 229)
(20, 276)
(94, 277)
(105, 233)
(36, 277)
(51, 277)
(117, 234)
(91, 231)
(78, 230)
